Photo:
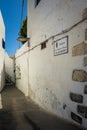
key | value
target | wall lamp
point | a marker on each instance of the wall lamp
(23, 39)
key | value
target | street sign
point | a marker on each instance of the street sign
(61, 46)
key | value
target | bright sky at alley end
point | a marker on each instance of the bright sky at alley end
(11, 11)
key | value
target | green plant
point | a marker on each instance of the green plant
(23, 29)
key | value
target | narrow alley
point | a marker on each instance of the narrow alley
(20, 113)
(43, 65)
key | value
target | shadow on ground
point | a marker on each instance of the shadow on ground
(14, 105)
(21, 113)
(7, 121)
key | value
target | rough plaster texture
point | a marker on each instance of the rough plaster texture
(2, 69)
(51, 17)
(46, 78)
(9, 66)
(2, 52)
(6, 63)
(21, 69)
(50, 77)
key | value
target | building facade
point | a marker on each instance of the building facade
(53, 69)
(6, 63)
(2, 52)
(58, 57)
(21, 69)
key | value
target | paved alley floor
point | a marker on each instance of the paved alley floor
(20, 113)
(13, 104)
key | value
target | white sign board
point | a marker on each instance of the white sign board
(61, 46)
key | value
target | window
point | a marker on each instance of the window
(43, 45)
(3, 43)
(37, 2)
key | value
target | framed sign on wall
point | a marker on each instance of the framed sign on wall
(61, 46)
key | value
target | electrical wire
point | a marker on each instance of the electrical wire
(52, 37)
(21, 18)
(22, 10)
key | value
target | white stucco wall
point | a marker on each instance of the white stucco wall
(2, 53)
(50, 77)
(2, 30)
(2, 69)
(21, 69)
(52, 17)
(9, 67)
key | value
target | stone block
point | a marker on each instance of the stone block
(80, 49)
(86, 35)
(85, 61)
(85, 90)
(79, 75)
(76, 97)
(76, 118)
(82, 110)
(84, 15)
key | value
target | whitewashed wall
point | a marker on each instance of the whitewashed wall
(2, 53)
(52, 17)
(2, 69)
(2, 30)
(21, 69)
(9, 67)
(50, 77)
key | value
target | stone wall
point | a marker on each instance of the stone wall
(80, 75)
